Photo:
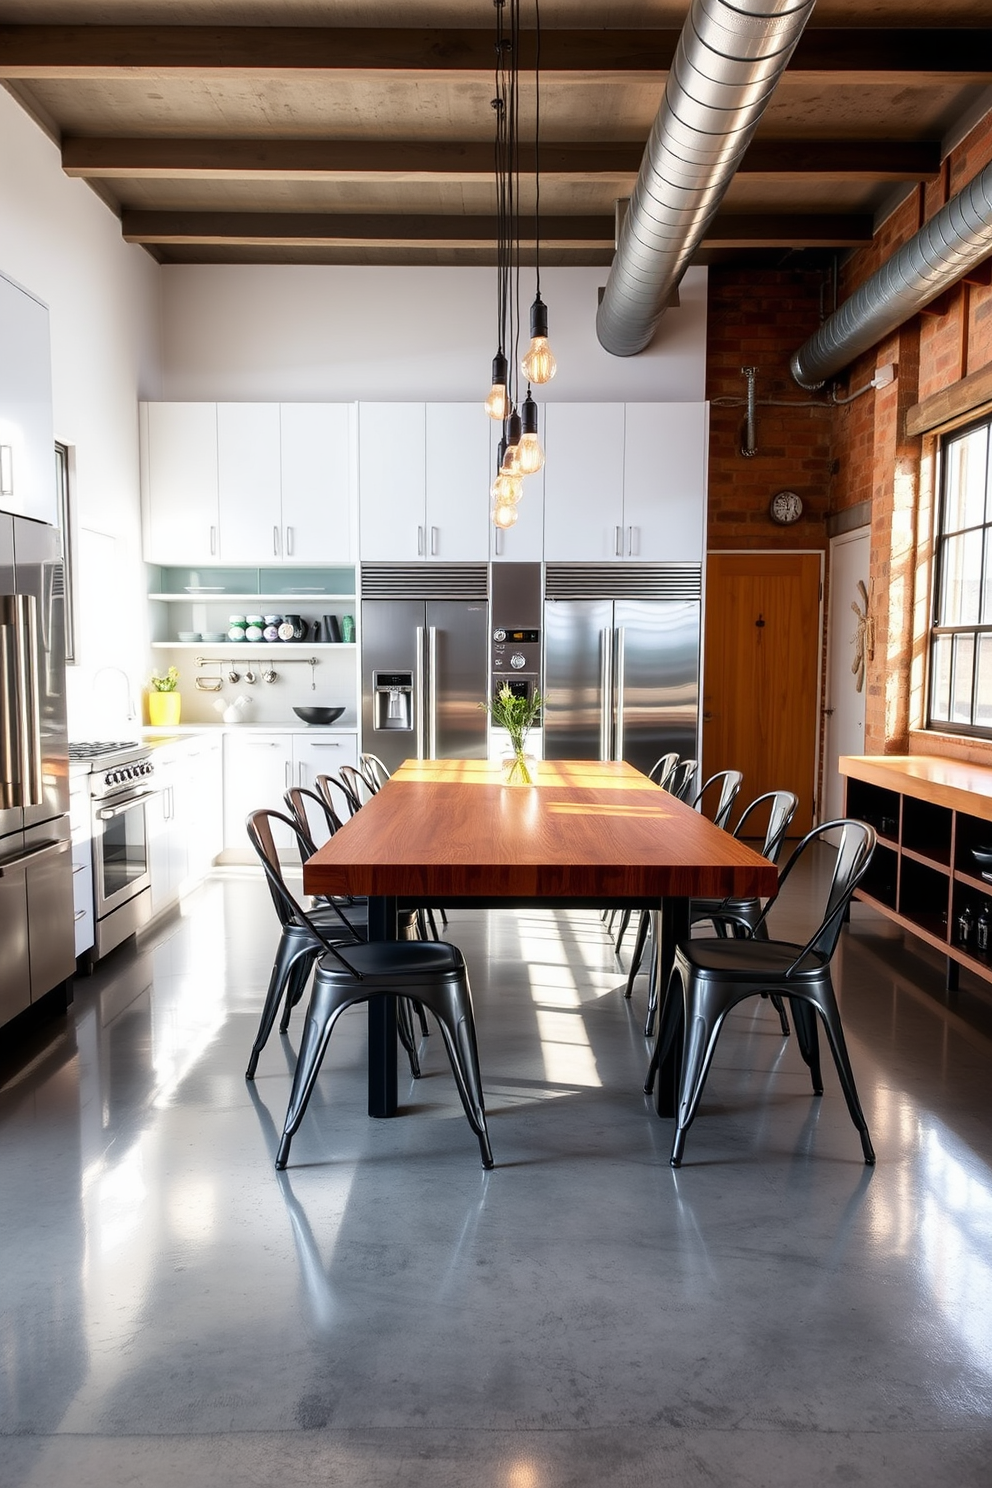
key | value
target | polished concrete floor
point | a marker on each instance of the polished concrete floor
(386, 1315)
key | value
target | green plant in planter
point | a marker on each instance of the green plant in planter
(168, 683)
(517, 715)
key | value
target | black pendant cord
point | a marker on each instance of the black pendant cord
(537, 145)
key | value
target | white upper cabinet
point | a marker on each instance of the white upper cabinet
(28, 458)
(458, 480)
(318, 482)
(179, 462)
(249, 482)
(583, 482)
(392, 481)
(664, 482)
(625, 482)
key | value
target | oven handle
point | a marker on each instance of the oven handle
(107, 813)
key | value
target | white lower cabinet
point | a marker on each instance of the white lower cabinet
(82, 861)
(183, 818)
(259, 768)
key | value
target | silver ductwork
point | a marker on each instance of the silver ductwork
(727, 64)
(958, 238)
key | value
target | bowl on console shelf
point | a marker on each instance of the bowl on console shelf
(318, 715)
(982, 855)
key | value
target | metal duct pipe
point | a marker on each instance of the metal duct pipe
(958, 238)
(727, 64)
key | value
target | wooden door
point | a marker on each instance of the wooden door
(761, 681)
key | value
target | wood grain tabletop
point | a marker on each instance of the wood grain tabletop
(450, 829)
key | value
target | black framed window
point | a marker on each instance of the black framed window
(960, 692)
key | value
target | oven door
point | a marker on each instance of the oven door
(120, 851)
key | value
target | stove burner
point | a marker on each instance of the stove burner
(94, 750)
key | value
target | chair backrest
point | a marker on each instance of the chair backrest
(288, 908)
(374, 770)
(315, 820)
(680, 780)
(662, 768)
(356, 783)
(730, 784)
(857, 843)
(781, 810)
(335, 792)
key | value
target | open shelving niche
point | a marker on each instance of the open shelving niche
(923, 875)
(202, 599)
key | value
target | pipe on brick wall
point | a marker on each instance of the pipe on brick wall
(727, 65)
(951, 243)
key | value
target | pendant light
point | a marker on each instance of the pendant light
(539, 365)
(530, 455)
(496, 403)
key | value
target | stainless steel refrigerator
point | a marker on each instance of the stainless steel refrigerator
(425, 663)
(621, 663)
(36, 909)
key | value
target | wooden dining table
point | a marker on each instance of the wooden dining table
(588, 834)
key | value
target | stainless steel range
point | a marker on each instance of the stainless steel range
(122, 779)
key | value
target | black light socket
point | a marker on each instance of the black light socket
(539, 318)
(528, 416)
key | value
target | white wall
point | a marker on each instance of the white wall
(301, 332)
(64, 245)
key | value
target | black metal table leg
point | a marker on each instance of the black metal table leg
(382, 1020)
(674, 926)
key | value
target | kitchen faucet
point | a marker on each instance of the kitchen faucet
(131, 710)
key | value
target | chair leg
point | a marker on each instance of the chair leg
(451, 1005)
(638, 951)
(804, 1018)
(425, 1027)
(296, 985)
(322, 1014)
(701, 1031)
(283, 967)
(779, 1007)
(653, 975)
(624, 922)
(404, 1028)
(826, 1006)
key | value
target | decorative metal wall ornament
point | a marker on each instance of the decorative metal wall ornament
(863, 639)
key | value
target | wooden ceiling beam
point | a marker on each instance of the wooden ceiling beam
(182, 159)
(333, 230)
(836, 55)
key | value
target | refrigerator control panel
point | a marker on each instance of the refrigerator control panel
(516, 651)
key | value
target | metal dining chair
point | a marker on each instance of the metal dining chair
(298, 946)
(730, 784)
(710, 977)
(349, 970)
(338, 794)
(679, 782)
(374, 770)
(726, 912)
(662, 768)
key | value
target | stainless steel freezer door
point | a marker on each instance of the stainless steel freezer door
(577, 663)
(38, 565)
(457, 678)
(656, 679)
(389, 639)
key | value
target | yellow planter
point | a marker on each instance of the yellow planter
(164, 708)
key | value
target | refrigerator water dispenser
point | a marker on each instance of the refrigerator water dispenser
(392, 694)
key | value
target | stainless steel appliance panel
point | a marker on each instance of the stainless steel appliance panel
(121, 866)
(15, 982)
(392, 637)
(457, 653)
(656, 679)
(51, 928)
(38, 571)
(577, 678)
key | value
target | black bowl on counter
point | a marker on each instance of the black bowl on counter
(318, 715)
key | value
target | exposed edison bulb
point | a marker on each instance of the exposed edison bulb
(530, 455)
(496, 404)
(510, 464)
(506, 490)
(504, 515)
(539, 364)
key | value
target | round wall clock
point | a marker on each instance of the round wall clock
(785, 508)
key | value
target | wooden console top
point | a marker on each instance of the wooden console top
(946, 782)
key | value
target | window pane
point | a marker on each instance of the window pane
(983, 703)
(965, 480)
(961, 684)
(940, 680)
(961, 580)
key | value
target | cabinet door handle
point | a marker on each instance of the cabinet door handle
(303, 773)
(434, 532)
(80, 867)
(499, 542)
(420, 542)
(288, 776)
(329, 745)
(633, 541)
(289, 542)
(275, 542)
(79, 915)
(213, 542)
(618, 542)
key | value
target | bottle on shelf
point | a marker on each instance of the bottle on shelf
(965, 927)
(982, 928)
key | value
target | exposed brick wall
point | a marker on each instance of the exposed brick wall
(837, 456)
